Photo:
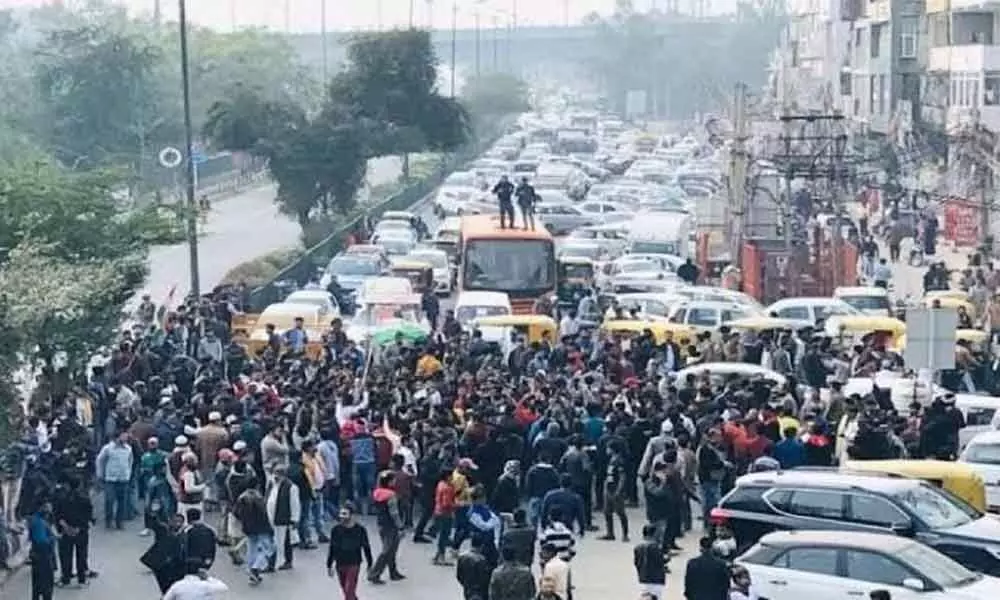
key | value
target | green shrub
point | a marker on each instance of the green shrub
(262, 269)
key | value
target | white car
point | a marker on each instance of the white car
(438, 260)
(602, 211)
(840, 565)
(722, 370)
(983, 455)
(813, 309)
(473, 305)
(328, 307)
(395, 242)
(869, 300)
(708, 314)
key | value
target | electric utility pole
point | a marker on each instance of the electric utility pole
(738, 163)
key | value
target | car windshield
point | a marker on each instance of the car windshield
(982, 453)
(935, 566)
(654, 248)
(353, 266)
(434, 259)
(395, 246)
(638, 266)
(835, 310)
(465, 314)
(509, 265)
(867, 302)
(935, 509)
(580, 251)
(374, 315)
(461, 180)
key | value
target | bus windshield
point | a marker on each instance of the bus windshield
(509, 265)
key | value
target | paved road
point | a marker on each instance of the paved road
(601, 570)
(239, 229)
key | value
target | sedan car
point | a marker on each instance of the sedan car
(327, 303)
(561, 218)
(836, 565)
(811, 309)
(602, 211)
(983, 454)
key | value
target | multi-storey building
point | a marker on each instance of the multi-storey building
(882, 81)
(812, 54)
(962, 81)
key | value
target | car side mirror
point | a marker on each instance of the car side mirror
(912, 583)
(904, 529)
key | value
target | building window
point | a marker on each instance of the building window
(908, 38)
(883, 95)
(872, 94)
(845, 84)
(991, 89)
(876, 40)
(965, 90)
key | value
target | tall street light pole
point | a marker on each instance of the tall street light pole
(496, 43)
(454, 42)
(479, 32)
(189, 167)
(323, 40)
(412, 2)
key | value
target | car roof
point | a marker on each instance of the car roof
(861, 291)
(824, 478)
(807, 301)
(482, 298)
(302, 294)
(882, 542)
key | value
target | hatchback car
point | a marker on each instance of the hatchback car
(829, 500)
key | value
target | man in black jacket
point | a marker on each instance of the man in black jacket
(198, 541)
(650, 562)
(504, 191)
(74, 514)
(706, 576)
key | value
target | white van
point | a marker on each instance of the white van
(472, 305)
(872, 300)
(661, 233)
(982, 413)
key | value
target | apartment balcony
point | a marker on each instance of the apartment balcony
(954, 119)
(972, 58)
(877, 11)
(939, 6)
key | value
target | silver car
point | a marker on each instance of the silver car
(561, 219)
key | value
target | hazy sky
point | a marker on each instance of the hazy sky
(304, 15)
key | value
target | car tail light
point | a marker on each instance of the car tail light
(719, 516)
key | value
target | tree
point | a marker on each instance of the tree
(95, 85)
(495, 94)
(390, 85)
(319, 163)
(75, 213)
(62, 306)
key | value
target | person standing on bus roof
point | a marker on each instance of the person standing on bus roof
(526, 198)
(504, 191)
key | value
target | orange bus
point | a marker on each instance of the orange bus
(521, 264)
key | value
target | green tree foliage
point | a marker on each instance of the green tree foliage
(70, 262)
(495, 94)
(390, 86)
(94, 83)
(384, 102)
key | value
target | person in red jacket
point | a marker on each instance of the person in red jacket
(444, 515)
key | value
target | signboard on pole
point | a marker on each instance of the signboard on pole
(930, 338)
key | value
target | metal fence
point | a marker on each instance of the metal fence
(316, 258)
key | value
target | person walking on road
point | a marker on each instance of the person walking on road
(348, 543)
(390, 529)
(706, 576)
(526, 198)
(114, 470)
(504, 191)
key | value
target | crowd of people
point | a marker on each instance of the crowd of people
(486, 459)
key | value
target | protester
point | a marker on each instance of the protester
(348, 545)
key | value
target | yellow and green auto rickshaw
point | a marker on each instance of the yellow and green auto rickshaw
(575, 277)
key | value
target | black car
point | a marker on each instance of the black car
(831, 500)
